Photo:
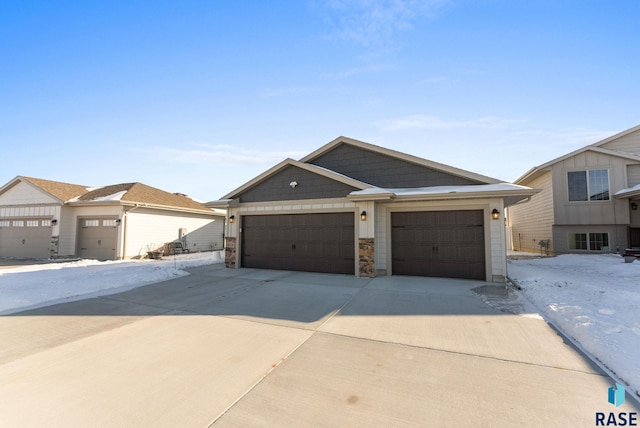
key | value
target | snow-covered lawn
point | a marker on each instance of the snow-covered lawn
(595, 300)
(33, 286)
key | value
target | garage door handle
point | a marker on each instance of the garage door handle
(293, 246)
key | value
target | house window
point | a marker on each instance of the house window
(589, 241)
(591, 185)
(578, 241)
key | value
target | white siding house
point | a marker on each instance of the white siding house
(48, 219)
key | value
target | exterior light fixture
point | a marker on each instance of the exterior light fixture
(54, 222)
(118, 221)
(363, 216)
(293, 184)
(495, 214)
(232, 219)
(634, 206)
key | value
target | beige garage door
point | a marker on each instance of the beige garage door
(97, 238)
(25, 238)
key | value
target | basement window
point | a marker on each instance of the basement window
(589, 241)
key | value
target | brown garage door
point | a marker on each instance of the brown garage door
(25, 238)
(97, 238)
(438, 243)
(301, 242)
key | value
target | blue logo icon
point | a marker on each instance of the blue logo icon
(616, 395)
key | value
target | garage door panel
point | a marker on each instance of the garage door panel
(304, 242)
(97, 238)
(25, 238)
(438, 243)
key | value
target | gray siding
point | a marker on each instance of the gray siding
(384, 171)
(310, 186)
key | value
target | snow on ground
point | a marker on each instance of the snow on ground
(32, 286)
(595, 300)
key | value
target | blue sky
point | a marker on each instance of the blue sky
(199, 97)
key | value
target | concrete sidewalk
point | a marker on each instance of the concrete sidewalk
(273, 348)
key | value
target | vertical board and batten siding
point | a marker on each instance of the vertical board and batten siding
(613, 211)
(532, 221)
(384, 171)
(629, 143)
(150, 229)
(24, 194)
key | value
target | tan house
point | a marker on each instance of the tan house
(355, 208)
(588, 201)
(43, 219)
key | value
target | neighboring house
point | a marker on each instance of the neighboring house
(588, 201)
(355, 208)
(47, 219)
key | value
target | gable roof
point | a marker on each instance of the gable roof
(539, 170)
(129, 193)
(138, 193)
(63, 192)
(616, 136)
(399, 155)
(308, 167)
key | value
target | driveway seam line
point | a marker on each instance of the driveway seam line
(465, 354)
(312, 333)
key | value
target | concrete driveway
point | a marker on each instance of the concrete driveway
(262, 348)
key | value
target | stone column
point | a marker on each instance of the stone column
(366, 251)
(230, 253)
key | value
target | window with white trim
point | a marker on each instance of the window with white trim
(33, 223)
(589, 241)
(589, 185)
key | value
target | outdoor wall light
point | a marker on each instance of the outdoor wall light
(54, 222)
(495, 214)
(293, 184)
(118, 221)
(363, 216)
(634, 206)
(232, 219)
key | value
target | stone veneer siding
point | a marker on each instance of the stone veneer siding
(366, 252)
(230, 253)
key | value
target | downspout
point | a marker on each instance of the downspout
(124, 234)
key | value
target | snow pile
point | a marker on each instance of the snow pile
(33, 286)
(595, 300)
